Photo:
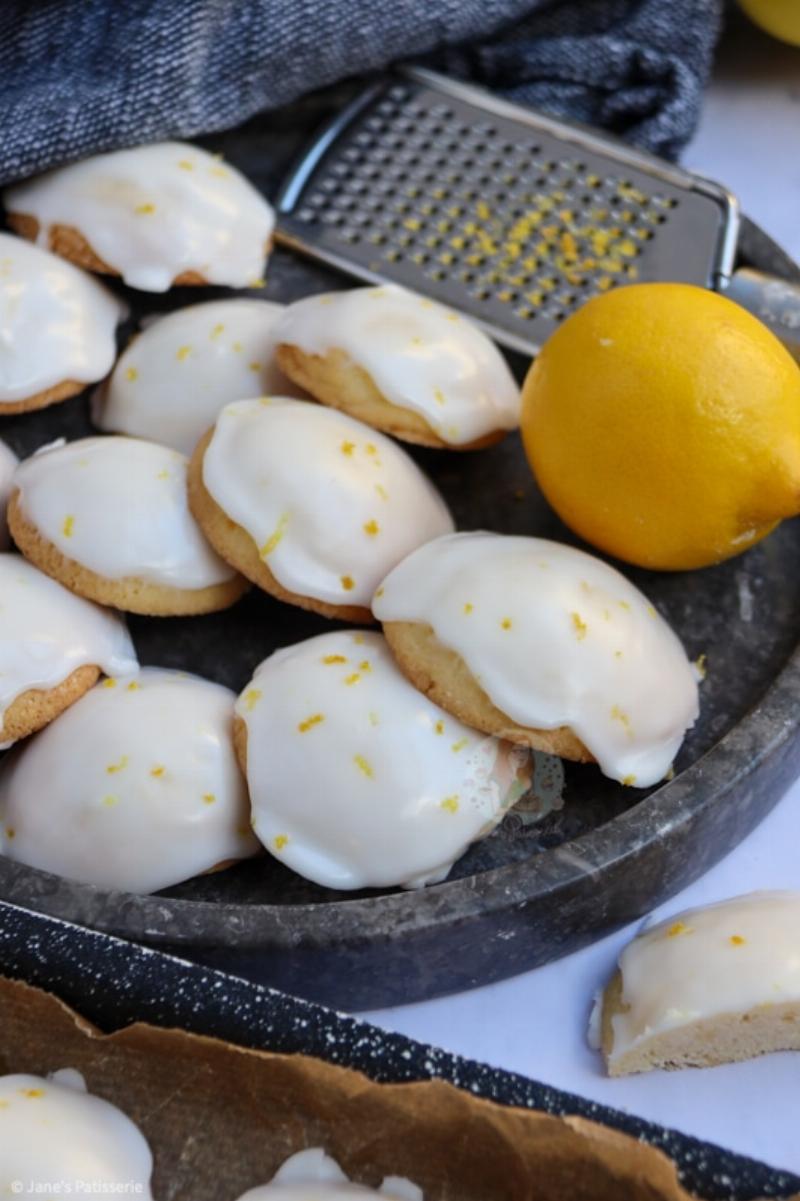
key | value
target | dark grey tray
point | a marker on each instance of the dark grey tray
(112, 984)
(530, 892)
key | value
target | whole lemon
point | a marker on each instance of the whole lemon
(781, 18)
(662, 422)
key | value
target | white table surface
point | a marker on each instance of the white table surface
(749, 138)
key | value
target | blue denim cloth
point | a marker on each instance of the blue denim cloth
(82, 76)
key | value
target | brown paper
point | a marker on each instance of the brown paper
(221, 1119)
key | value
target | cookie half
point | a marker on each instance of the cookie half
(158, 215)
(400, 363)
(309, 504)
(108, 517)
(53, 647)
(54, 1130)
(544, 645)
(136, 787)
(173, 379)
(59, 328)
(407, 787)
(705, 987)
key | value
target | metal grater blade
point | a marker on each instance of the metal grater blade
(513, 218)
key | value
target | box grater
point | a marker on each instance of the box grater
(507, 215)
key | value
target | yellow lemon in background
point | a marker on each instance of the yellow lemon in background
(781, 18)
(662, 422)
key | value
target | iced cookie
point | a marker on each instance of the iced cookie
(53, 646)
(309, 504)
(172, 380)
(157, 215)
(402, 364)
(313, 1176)
(8, 465)
(357, 780)
(108, 517)
(56, 1135)
(543, 645)
(704, 987)
(58, 328)
(136, 787)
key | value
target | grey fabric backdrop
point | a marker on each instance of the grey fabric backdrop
(80, 76)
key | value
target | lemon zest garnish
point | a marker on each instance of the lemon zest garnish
(677, 929)
(280, 841)
(363, 766)
(120, 765)
(131, 374)
(69, 526)
(251, 698)
(314, 720)
(579, 626)
(275, 537)
(450, 803)
(330, 659)
(348, 583)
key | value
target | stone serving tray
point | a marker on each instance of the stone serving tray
(538, 887)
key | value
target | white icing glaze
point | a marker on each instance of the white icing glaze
(46, 632)
(555, 637)
(8, 463)
(154, 212)
(173, 379)
(420, 355)
(331, 504)
(356, 779)
(726, 958)
(56, 322)
(118, 506)
(136, 786)
(53, 1132)
(313, 1176)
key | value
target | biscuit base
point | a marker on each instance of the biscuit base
(335, 380)
(41, 400)
(69, 243)
(727, 1038)
(130, 594)
(233, 544)
(37, 707)
(443, 676)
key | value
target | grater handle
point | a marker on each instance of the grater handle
(774, 301)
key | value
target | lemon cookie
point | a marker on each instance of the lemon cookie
(8, 465)
(544, 645)
(136, 787)
(406, 786)
(309, 504)
(311, 1175)
(108, 517)
(53, 1130)
(704, 987)
(172, 380)
(53, 646)
(400, 363)
(58, 328)
(157, 215)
